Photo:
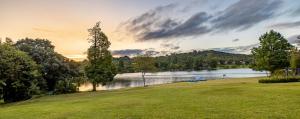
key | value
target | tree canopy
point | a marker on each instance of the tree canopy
(144, 64)
(53, 66)
(100, 68)
(272, 53)
(18, 73)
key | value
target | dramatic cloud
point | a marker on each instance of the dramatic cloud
(154, 25)
(191, 27)
(245, 14)
(286, 25)
(147, 20)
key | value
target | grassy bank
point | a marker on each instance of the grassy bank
(226, 99)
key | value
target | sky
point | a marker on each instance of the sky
(156, 26)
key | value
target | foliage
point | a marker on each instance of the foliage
(124, 64)
(282, 73)
(100, 68)
(196, 60)
(295, 60)
(279, 80)
(65, 86)
(144, 64)
(272, 54)
(18, 74)
(54, 67)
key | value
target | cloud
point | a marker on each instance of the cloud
(245, 14)
(151, 52)
(170, 46)
(134, 52)
(127, 52)
(296, 12)
(286, 25)
(236, 50)
(295, 39)
(193, 4)
(156, 25)
(235, 40)
(147, 20)
(192, 27)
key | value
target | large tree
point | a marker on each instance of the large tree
(272, 53)
(18, 74)
(100, 68)
(54, 67)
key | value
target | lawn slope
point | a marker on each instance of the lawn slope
(225, 99)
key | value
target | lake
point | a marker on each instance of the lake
(135, 79)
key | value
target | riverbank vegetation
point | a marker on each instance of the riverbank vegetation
(226, 99)
(190, 61)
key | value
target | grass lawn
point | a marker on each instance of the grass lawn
(223, 99)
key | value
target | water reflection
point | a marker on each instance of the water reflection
(135, 80)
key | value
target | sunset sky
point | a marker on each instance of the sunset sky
(134, 26)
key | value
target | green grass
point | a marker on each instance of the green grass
(223, 99)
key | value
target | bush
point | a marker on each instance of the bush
(18, 74)
(280, 80)
(65, 86)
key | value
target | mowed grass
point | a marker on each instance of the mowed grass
(223, 99)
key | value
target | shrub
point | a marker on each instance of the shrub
(18, 74)
(65, 86)
(280, 80)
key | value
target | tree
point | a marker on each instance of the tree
(18, 74)
(144, 64)
(295, 60)
(9, 41)
(272, 54)
(53, 66)
(100, 68)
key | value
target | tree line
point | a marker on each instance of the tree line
(32, 67)
(191, 61)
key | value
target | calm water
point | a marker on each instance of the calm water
(135, 79)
